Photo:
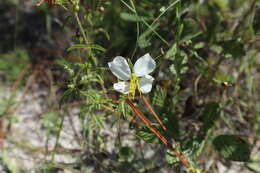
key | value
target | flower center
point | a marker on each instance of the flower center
(134, 84)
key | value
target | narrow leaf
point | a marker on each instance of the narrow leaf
(232, 147)
(82, 46)
(210, 115)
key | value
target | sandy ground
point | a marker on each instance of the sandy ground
(26, 143)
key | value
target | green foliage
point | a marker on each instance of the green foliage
(7, 61)
(232, 147)
(126, 154)
(81, 46)
(233, 48)
(254, 164)
(204, 50)
(171, 158)
(52, 122)
(210, 115)
(132, 17)
(11, 163)
(146, 135)
(159, 97)
(6, 103)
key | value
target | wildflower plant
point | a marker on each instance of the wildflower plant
(182, 66)
(140, 79)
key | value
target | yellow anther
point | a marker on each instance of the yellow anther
(134, 84)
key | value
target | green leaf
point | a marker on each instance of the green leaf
(194, 146)
(180, 64)
(223, 4)
(144, 40)
(232, 147)
(126, 154)
(90, 46)
(233, 48)
(210, 115)
(11, 162)
(220, 77)
(99, 121)
(170, 54)
(124, 109)
(133, 17)
(13, 63)
(254, 165)
(159, 97)
(216, 48)
(65, 95)
(171, 158)
(51, 122)
(146, 135)
(199, 45)
(190, 30)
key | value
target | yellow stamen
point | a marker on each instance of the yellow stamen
(134, 84)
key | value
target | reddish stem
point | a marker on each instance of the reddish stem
(153, 112)
(148, 123)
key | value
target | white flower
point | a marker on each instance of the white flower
(139, 79)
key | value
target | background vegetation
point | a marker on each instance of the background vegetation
(206, 88)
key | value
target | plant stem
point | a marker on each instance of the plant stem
(153, 112)
(85, 37)
(148, 123)
(57, 138)
(81, 28)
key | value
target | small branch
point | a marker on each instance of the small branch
(85, 37)
(57, 138)
(148, 123)
(157, 117)
(153, 112)
(81, 28)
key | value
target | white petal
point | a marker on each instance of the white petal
(144, 65)
(120, 68)
(145, 84)
(122, 87)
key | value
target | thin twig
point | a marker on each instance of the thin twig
(153, 112)
(20, 77)
(148, 123)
